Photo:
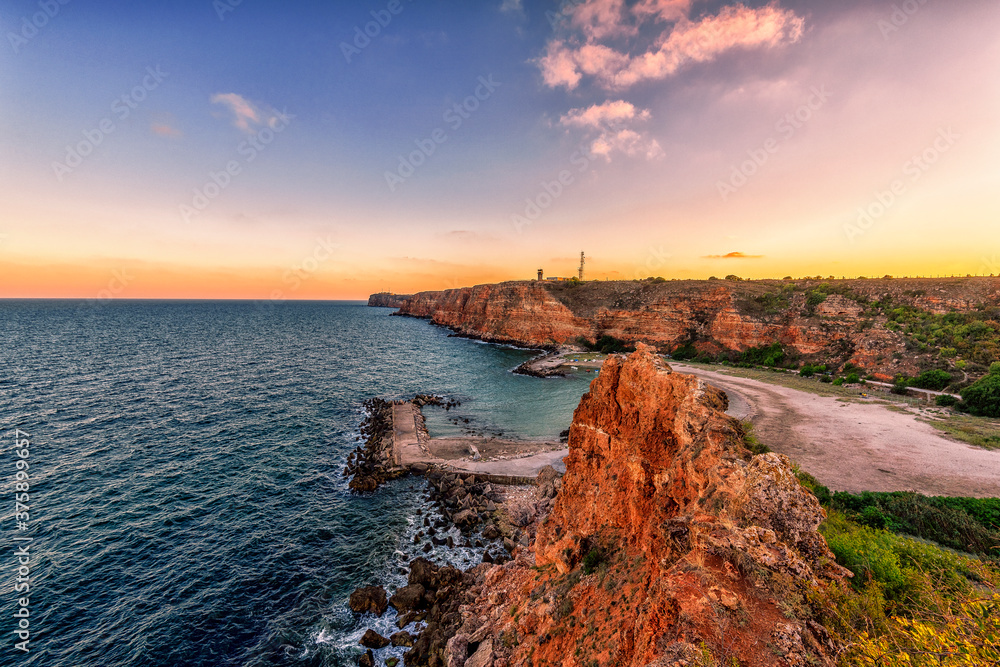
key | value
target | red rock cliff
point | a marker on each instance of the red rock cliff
(717, 316)
(668, 544)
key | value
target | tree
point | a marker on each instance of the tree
(733, 278)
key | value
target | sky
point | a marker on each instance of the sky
(256, 149)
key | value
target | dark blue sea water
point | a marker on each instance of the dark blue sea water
(186, 499)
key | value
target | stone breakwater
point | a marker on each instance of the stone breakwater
(666, 543)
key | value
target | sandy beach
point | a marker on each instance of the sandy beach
(858, 446)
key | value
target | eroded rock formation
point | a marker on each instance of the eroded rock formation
(716, 316)
(668, 544)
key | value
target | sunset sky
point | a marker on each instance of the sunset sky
(327, 150)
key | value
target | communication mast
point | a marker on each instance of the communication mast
(583, 260)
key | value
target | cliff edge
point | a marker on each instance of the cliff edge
(841, 321)
(668, 544)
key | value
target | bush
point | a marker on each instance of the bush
(982, 398)
(966, 524)
(771, 355)
(935, 380)
(807, 371)
(684, 352)
(592, 561)
(826, 379)
(853, 378)
(839, 382)
(946, 400)
(610, 345)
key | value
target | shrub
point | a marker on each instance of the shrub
(946, 400)
(771, 355)
(839, 382)
(610, 345)
(934, 379)
(684, 352)
(826, 379)
(853, 378)
(983, 397)
(592, 561)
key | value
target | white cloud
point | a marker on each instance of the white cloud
(610, 129)
(247, 116)
(568, 60)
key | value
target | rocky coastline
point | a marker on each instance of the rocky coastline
(824, 320)
(666, 542)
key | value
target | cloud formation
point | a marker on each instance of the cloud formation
(596, 26)
(165, 130)
(609, 126)
(733, 255)
(247, 116)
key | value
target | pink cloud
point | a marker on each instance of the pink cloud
(165, 130)
(734, 255)
(244, 113)
(684, 41)
(599, 115)
(610, 128)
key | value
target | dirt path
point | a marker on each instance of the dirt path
(855, 447)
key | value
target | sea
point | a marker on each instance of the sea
(171, 474)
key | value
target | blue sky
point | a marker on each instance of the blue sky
(649, 105)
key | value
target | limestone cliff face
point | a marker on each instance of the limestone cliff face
(668, 544)
(717, 316)
(388, 300)
(523, 313)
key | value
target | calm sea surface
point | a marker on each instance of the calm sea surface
(186, 500)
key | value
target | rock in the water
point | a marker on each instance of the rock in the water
(401, 639)
(372, 639)
(367, 660)
(408, 598)
(369, 600)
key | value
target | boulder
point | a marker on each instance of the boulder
(408, 598)
(401, 638)
(368, 600)
(372, 639)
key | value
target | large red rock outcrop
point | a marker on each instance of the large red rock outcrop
(667, 544)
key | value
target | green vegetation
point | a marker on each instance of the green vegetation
(973, 337)
(592, 561)
(971, 525)
(983, 397)
(772, 355)
(607, 345)
(911, 602)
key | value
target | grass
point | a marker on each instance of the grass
(977, 431)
